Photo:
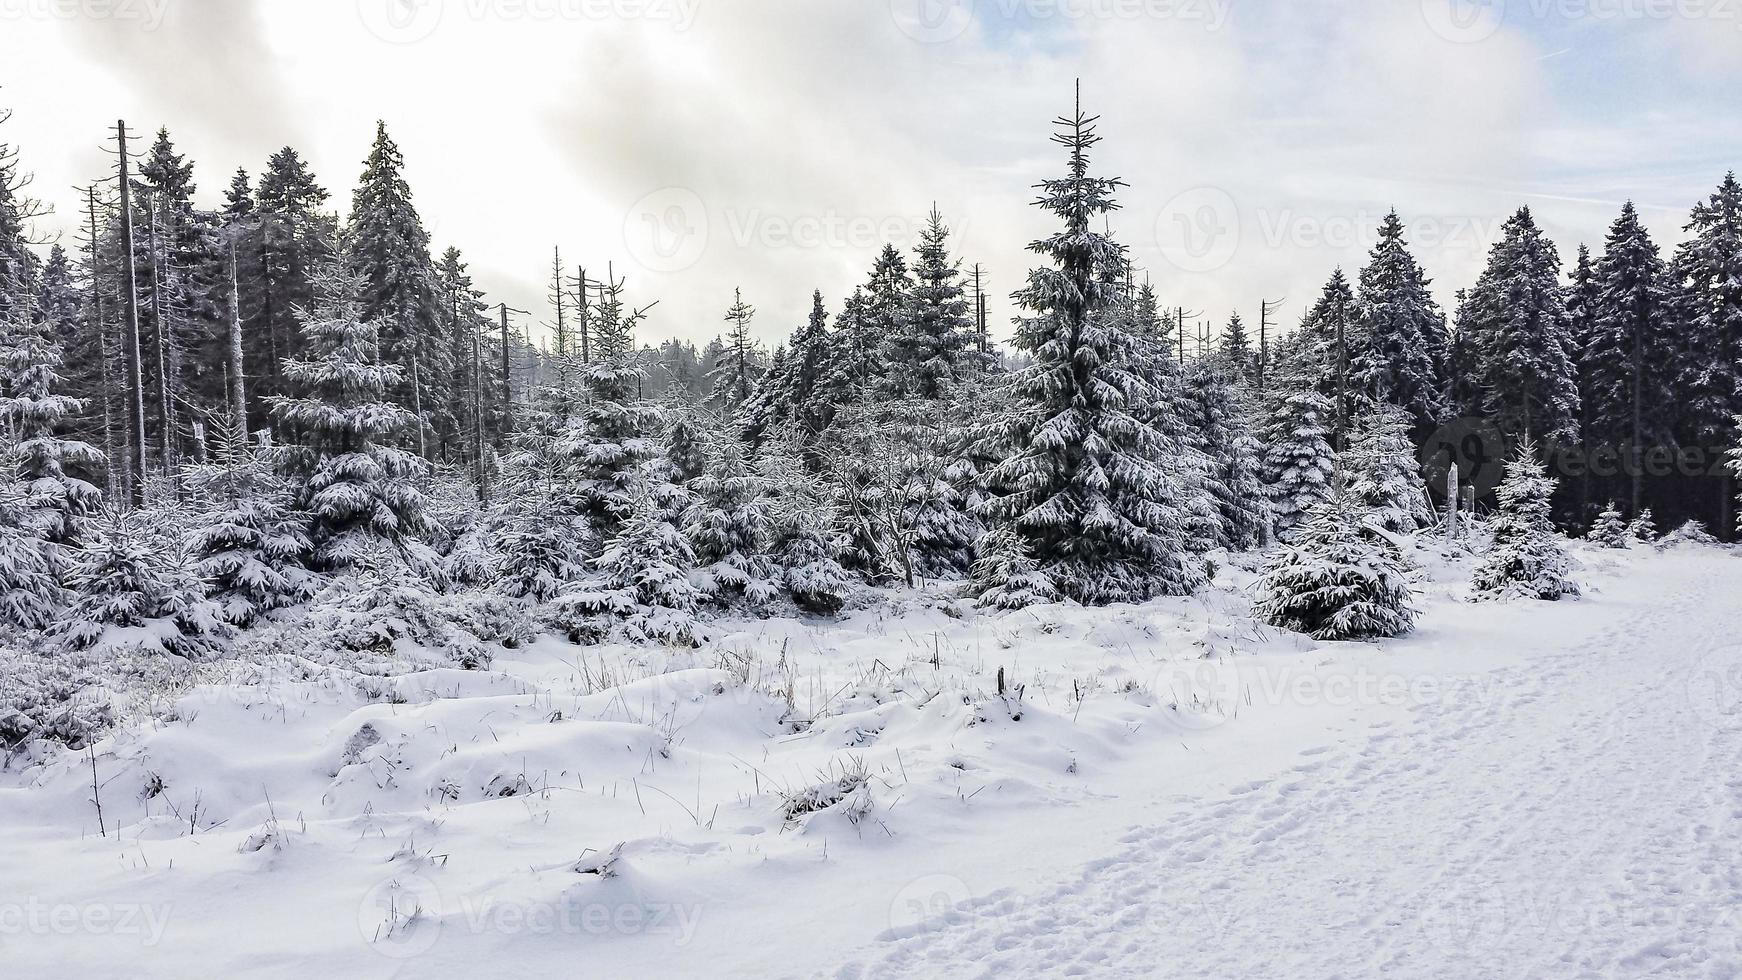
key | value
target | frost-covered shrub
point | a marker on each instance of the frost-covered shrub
(1643, 530)
(29, 594)
(1006, 576)
(1386, 478)
(1691, 533)
(803, 549)
(387, 607)
(55, 698)
(1526, 559)
(728, 525)
(641, 590)
(1336, 581)
(249, 544)
(135, 590)
(493, 618)
(472, 562)
(1610, 530)
(541, 553)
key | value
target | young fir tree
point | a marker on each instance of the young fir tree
(1222, 434)
(1386, 478)
(1401, 359)
(356, 486)
(1521, 345)
(1170, 413)
(1327, 352)
(1298, 459)
(278, 255)
(238, 199)
(250, 545)
(1526, 560)
(1006, 576)
(1642, 529)
(799, 393)
(1086, 487)
(732, 375)
(30, 593)
(1610, 530)
(1234, 350)
(1708, 275)
(887, 310)
(640, 590)
(613, 442)
(925, 358)
(46, 470)
(388, 252)
(801, 515)
(728, 527)
(134, 591)
(856, 358)
(1335, 581)
(1624, 360)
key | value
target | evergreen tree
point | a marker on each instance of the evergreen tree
(801, 544)
(135, 591)
(1298, 459)
(250, 546)
(358, 488)
(1707, 274)
(738, 365)
(1526, 560)
(388, 251)
(1235, 352)
(1223, 436)
(1401, 357)
(1643, 529)
(277, 257)
(1387, 479)
(613, 441)
(888, 310)
(1735, 465)
(1610, 531)
(1625, 358)
(30, 593)
(1085, 487)
(1006, 575)
(925, 357)
(1335, 582)
(641, 591)
(47, 470)
(857, 357)
(1329, 350)
(238, 199)
(728, 527)
(1520, 339)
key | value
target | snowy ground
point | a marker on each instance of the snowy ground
(1526, 789)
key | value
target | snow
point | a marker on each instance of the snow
(1164, 789)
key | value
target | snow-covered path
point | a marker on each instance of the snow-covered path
(1576, 816)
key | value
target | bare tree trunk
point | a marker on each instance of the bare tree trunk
(130, 337)
(237, 384)
(165, 413)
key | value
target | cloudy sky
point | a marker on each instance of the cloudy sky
(775, 144)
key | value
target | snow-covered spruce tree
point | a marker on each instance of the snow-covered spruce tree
(1087, 487)
(1521, 345)
(802, 543)
(1643, 529)
(733, 374)
(800, 391)
(1610, 530)
(686, 453)
(608, 450)
(355, 485)
(1221, 433)
(1385, 476)
(1335, 581)
(924, 357)
(29, 591)
(1170, 414)
(43, 467)
(1526, 560)
(136, 591)
(1623, 363)
(1298, 460)
(250, 544)
(727, 526)
(1735, 465)
(395, 287)
(1234, 350)
(1708, 273)
(640, 589)
(1006, 576)
(1402, 354)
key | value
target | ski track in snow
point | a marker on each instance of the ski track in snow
(1573, 817)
